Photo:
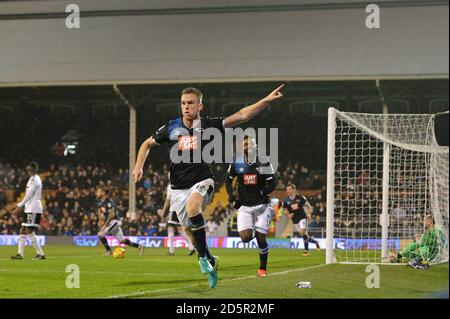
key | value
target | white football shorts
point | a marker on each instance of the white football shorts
(303, 224)
(254, 217)
(179, 197)
(113, 229)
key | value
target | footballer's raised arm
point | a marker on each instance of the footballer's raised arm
(158, 138)
(247, 113)
(141, 157)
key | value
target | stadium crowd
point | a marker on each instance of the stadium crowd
(70, 203)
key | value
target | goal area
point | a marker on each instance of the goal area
(386, 175)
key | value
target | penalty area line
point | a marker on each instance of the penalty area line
(146, 292)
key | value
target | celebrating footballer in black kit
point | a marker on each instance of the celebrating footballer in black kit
(192, 180)
(109, 213)
(294, 207)
(255, 181)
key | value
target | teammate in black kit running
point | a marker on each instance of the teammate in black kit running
(299, 210)
(108, 212)
(255, 181)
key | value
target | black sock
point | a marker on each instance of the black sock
(306, 241)
(198, 231)
(130, 243)
(311, 240)
(263, 252)
(210, 257)
(105, 243)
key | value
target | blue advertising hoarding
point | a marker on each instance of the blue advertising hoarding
(219, 242)
(12, 240)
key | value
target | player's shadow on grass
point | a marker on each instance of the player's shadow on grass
(283, 265)
(156, 282)
(243, 266)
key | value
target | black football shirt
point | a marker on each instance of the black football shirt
(295, 206)
(253, 186)
(184, 142)
(108, 204)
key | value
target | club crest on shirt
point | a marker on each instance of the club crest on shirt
(176, 133)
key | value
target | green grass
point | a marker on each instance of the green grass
(157, 276)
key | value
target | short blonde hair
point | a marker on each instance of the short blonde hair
(195, 91)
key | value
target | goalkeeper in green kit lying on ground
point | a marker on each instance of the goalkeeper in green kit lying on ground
(425, 248)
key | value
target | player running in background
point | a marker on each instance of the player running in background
(425, 248)
(172, 224)
(253, 202)
(32, 212)
(192, 182)
(299, 210)
(108, 212)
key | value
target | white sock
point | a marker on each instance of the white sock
(21, 245)
(36, 245)
(186, 238)
(171, 234)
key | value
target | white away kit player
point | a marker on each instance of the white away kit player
(32, 212)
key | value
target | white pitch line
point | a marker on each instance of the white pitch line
(85, 272)
(102, 272)
(53, 257)
(141, 293)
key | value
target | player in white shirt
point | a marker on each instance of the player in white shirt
(32, 212)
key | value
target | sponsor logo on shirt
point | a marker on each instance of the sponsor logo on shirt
(187, 143)
(250, 179)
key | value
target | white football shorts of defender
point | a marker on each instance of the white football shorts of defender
(254, 217)
(113, 229)
(32, 219)
(179, 197)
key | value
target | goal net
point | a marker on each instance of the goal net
(385, 174)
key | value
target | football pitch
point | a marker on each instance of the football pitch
(155, 275)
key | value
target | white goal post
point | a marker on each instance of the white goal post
(385, 173)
